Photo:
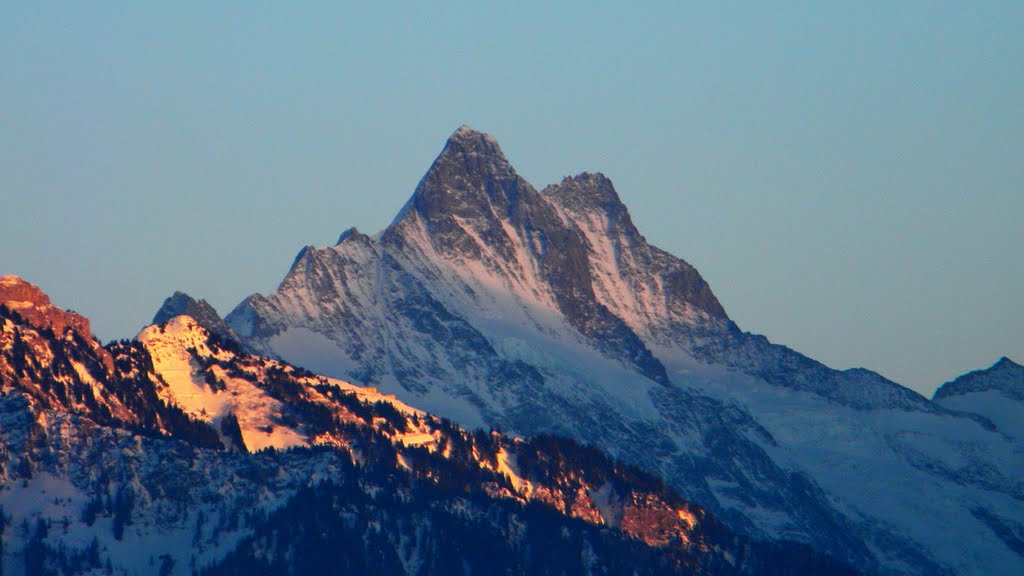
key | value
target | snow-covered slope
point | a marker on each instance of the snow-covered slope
(494, 304)
(213, 381)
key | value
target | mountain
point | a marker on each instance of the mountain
(180, 453)
(996, 393)
(181, 304)
(547, 312)
(32, 304)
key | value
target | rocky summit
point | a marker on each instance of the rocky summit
(181, 304)
(27, 300)
(494, 304)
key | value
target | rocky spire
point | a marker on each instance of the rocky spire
(589, 201)
(469, 179)
(586, 192)
(474, 207)
(181, 304)
(468, 201)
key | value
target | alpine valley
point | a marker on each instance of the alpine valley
(537, 390)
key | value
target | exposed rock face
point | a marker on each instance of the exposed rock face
(181, 304)
(1005, 377)
(590, 203)
(29, 301)
(472, 207)
(31, 304)
(494, 304)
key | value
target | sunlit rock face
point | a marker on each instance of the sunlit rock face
(32, 304)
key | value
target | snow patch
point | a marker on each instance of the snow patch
(507, 465)
(258, 414)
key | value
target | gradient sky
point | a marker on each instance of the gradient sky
(849, 177)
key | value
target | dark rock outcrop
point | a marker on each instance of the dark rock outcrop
(181, 304)
(1005, 376)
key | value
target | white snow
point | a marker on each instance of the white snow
(507, 465)
(608, 504)
(416, 439)
(1006, 413)
(880, 464)
(257, 412)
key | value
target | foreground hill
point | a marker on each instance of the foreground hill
(178, 453)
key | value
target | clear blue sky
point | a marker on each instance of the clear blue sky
(849, 177)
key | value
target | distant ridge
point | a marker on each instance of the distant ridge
(1005, 376)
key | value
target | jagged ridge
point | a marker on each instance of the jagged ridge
(1005, 376)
